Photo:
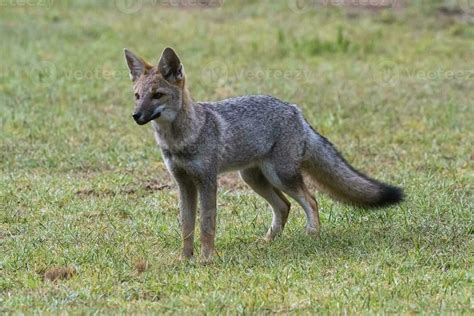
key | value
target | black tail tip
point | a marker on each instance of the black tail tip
(390, 195)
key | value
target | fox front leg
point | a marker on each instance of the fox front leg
(207, 197)
(187, 214)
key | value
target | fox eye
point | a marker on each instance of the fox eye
(137, 96)
(157, 95)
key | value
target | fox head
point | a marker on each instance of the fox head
(159, 90)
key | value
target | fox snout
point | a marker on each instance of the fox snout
(142, 118)
(137, 117)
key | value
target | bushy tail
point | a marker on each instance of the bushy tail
(334, 175)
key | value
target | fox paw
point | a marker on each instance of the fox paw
(272, 233)
(186, 260)
(312, 232)
(206, 260)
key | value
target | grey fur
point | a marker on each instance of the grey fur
(267, 139)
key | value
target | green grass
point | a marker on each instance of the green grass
(393, 90)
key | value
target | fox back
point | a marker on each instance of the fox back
(266, 139)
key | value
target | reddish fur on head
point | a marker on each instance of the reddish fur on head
(160, 91)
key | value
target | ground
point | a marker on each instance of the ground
(88, 215)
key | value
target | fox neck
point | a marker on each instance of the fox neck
(184, 129)
(186, 100)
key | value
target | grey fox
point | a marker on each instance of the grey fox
(266, 139)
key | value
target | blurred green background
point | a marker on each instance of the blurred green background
(390, 82)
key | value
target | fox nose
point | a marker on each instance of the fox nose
(136, 115)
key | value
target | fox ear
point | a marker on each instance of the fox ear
(136, 65)
(170, 66)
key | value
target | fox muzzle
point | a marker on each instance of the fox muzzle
(143, 118)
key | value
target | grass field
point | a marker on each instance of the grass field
(83, 187)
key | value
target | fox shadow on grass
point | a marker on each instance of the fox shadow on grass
(352, 240)
(296, 245)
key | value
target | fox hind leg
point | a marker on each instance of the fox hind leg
(313, 227)
(291, 182)
(279, 203)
